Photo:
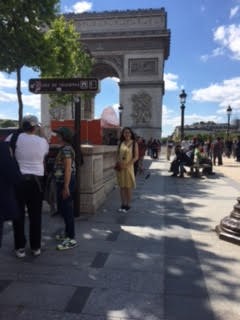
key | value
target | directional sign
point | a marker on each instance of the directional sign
(54, 85)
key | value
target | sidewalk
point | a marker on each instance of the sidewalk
(161, 261)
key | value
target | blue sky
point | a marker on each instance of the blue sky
(204, 60)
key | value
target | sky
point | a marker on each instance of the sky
(204, 60)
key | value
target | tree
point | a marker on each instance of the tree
(66, 57)
(8, 123)
(22, 26)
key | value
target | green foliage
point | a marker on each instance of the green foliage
(22, 25)
(8, 123)
(65, 56)
(21, 31)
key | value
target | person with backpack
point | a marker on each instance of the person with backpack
(29, 150)
(127, 155)
(9, 179)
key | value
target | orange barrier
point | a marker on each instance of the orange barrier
(91, 131)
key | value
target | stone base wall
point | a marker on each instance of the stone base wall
(97, 176)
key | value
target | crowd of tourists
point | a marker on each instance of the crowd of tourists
(195, 153)
(22, 185)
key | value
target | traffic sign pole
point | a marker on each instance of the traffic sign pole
(77, 146)
(57, 85)
(64, 86)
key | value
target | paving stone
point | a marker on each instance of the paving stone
(100, 260)
(140, 261)
(160, 261)
(42, 296)
(182, 308)
(124, 304)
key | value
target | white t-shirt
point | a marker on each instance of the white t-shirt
(30, 152)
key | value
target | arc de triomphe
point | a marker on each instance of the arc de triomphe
(132, 46)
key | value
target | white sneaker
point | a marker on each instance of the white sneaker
(36, 252)
(20, 253)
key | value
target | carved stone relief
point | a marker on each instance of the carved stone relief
(116, 60)
(119, 21)
(141, 108)
(142, 66)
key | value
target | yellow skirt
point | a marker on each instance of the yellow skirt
(126, 178)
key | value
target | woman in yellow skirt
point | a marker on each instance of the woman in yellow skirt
(126, 156)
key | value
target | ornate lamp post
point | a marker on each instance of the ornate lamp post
(229, 227)
(229, 112)
(182, 97)
(120, 109)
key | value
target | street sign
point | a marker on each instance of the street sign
(56, 85)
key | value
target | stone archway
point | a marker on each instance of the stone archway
(133, 46)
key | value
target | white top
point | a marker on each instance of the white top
(30, 152)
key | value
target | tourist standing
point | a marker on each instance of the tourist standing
(169, 148)
(30, 152)
(64, 172)
(217, 150)
(127, 155)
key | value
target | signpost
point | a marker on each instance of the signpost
(64, 86)
(56, 85)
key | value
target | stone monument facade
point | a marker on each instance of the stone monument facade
(131, 45)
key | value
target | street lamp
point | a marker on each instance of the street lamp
(229, 112)
(182, 97)
(120, 109)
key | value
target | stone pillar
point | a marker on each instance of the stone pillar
(88, 108)
(141, 91)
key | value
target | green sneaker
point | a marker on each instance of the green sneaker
(67, 244)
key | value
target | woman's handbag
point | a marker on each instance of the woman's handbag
(117, 166)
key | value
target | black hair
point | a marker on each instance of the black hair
(133, 137)
(122, 134)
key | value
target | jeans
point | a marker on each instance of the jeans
(65, 208)
(30, 195)
(1, 232)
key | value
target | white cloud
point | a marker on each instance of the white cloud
(234, 11)
(8, 97)
(79, 7)
(229, 38)
(6, 82)
(225, 93)
(113, 78)
(215, 53)
(31, 100)
(172, 120)
(171, 81)
(8, 92)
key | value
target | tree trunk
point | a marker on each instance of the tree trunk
(19, 95)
